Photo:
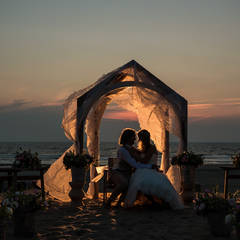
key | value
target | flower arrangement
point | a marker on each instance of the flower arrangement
(207, 202)
(236, 160)
(236, 210)
(188, 158)
(77, 160)
(5, 212)
(27, 200)
(236, 195)
(26, 159)
(236, 219)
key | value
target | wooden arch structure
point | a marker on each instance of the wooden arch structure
(130, 75)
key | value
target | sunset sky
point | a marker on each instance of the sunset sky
(51, 48)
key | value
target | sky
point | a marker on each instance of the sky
(51, 48)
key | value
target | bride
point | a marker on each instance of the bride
(150, 181)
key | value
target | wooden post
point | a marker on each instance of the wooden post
(185, 129)
(225, 183)
(42, 183)
(14, 180)
(79, 128)
(165, 155)
(80, 138)
(166, 147)
(105, 187)
(10, 178)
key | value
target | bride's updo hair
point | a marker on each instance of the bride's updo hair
(144, 139)
(126, 135)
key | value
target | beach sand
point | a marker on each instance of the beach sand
(93, 221)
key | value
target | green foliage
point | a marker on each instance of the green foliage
(188, 158)
(23, 199)
(28, 200)
(236, 195)
(236, 210)
(5, 212)
(79, 160)
(209, 202)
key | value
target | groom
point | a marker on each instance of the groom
(121, 176)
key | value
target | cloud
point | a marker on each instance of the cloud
(53, 103)
(21, 121)
(196, 111)
(115, 112)
(121, 115)
(200, 106)
(32, 124)
(22, 104)
(59, 99)
(15, 105)
(113, 107)
(218, 109)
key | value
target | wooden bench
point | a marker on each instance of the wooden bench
(228, 176)
(13, 176)
(7, 177)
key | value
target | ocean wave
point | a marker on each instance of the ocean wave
(214, 153)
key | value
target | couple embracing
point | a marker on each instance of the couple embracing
(137, 171)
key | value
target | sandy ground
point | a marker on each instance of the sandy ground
(93, 221)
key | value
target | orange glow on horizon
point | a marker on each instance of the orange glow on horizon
(196, 112)
(121, 115)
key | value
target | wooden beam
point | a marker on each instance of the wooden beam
(80, 128)
(185, 129)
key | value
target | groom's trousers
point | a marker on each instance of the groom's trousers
(120, 180)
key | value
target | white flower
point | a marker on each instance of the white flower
(9, 211)
(5, 202)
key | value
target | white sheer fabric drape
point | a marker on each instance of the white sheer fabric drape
(158, 111)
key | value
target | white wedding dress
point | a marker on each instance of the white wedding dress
(152, 182)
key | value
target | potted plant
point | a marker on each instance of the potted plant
(236, 212)
(187, 162)
(188, 159)
(77, 160)
(5, 215)
(236, 160)
(218, 211)
(79, 164)
(26, 160)
(236, 221)
(24, 204)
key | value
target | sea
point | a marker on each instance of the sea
(48, 152)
